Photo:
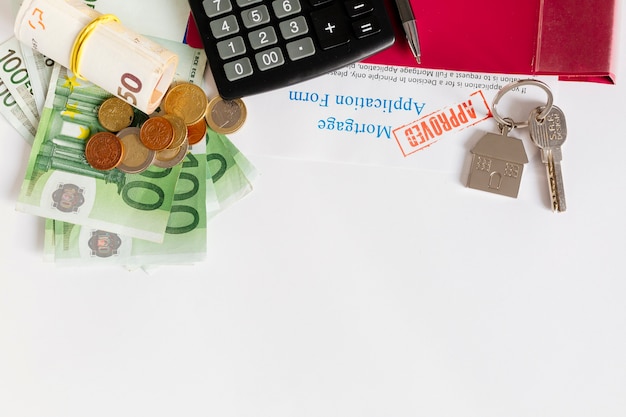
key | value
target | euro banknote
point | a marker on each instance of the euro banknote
(185, 239)
(15, 115)
(229, 179)
(39, 69)
(14, 74)
(59, 184)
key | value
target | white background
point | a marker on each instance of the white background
(342, 290)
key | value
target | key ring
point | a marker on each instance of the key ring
(529, 81)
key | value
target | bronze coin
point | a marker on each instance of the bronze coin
(115, 114)
(104, 151)
(196, 132)
(187, 101)
(157, 133)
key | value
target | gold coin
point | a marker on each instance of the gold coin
(115, 114)
(226, 116)
(137, 157)
(187, 101)
(180, 130)
(168, 158)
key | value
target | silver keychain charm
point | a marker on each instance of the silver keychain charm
(498, 162)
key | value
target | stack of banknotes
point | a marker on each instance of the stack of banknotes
(93, 217)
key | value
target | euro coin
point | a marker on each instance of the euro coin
(168, 158)
(115, 114)
(187, 101)
(137, 158)
(157, 133)
(226, 116)
(180, 130)
(196, 132)
(104, 151)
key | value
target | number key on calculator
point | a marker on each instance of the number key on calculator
(255, 46)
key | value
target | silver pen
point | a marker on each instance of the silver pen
(410, 27)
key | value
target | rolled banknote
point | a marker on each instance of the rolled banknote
(98, 48)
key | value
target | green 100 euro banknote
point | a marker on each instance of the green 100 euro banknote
(185, 234)
(59, 184)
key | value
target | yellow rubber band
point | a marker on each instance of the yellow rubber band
(85, 33)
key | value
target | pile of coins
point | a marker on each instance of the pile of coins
(162, 140)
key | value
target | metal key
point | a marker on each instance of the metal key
(549, 134)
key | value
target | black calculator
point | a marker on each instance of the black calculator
(255, 46)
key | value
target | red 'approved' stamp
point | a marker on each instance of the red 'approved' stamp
(427, 130)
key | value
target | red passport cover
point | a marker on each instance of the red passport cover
(574, 39)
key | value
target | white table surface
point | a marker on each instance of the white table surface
(342, 290)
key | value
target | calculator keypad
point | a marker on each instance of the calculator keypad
(258, 45)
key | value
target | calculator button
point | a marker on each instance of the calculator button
(244, 3)
(300, 49)
(214, 8)
(262, 37)
(224, 26)
(240, 68)
(365, 27)
(255, 16)
(269, 59)
(284, 8)
(293, 28)
(330, 26)
(231, 47)
(357, 8)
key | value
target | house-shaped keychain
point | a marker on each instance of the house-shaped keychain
(497, 164)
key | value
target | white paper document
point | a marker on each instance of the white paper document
(385, 115)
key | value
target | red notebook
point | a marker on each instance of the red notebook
(574, 39)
